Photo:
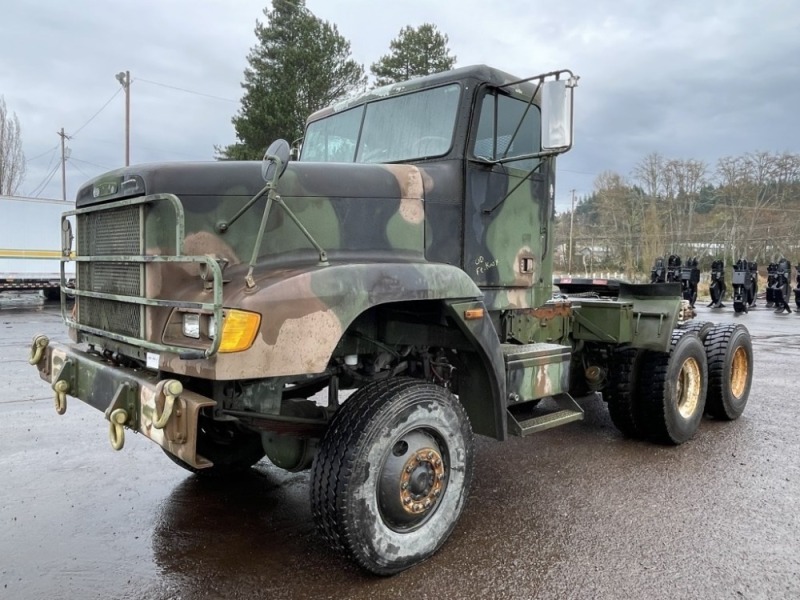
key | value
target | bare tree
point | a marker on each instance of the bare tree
(12, 159)
(621, 217)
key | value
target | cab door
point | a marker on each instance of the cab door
(502, 216)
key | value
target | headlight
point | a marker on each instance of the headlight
(191, 325)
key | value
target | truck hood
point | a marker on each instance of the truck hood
(243, 178)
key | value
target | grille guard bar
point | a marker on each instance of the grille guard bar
(213, 268)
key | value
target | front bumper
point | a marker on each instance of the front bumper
(134, 399)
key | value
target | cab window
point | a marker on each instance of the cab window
(506, 130)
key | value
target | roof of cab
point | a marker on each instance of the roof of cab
(479, 73)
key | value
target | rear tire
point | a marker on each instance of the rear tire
(392, 474)
(674, 387)
(730, 371)
(621, 392)
(699, 328)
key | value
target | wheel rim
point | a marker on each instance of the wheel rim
(689, 388)
(413, 480)
(739, 371)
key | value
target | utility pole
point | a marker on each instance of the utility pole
(571, 222)
(63, 137)
(125, 81)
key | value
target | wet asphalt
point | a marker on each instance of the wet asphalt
(574, 512)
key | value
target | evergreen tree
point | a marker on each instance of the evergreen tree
(299, 64)
(413, 53)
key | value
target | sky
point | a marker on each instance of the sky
(698, 79)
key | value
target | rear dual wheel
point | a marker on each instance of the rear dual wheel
(622, 392)
(730, 370)
(674, 390)
(662, 397)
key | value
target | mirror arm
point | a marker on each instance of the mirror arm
(538, 166)
(542, 77)
(323, 256)
(522, 119)
(248, 280)
(223, 226)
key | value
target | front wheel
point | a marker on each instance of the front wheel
(392, 474)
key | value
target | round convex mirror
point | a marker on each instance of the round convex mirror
(279, 149)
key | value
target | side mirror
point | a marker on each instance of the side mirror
(557, 114)
(276, 159)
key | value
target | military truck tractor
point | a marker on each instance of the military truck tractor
(222, 309)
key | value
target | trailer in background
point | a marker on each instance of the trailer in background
(30, 244)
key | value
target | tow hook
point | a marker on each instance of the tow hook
(172, 389)
(37, 349)
(116, 431)
(61, 387)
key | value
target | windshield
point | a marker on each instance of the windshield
(412, 126)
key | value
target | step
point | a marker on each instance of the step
(568, 412)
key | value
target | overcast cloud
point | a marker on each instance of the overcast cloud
(688, 78)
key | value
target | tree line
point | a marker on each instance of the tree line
(301, 63)
(12, 158)
(741, 206)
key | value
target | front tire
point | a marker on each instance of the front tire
(730, 371)
(675, 387)
(392, 474)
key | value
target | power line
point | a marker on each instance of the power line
(37, 191)
(93, 164)
(79, 169)
(114, 95)
(180, 89)
(53, 149)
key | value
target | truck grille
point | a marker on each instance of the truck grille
(116, 232)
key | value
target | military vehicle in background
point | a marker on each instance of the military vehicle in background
(688, 275)
(745, 285)
(796, 289)
(406, 256)
(772, 273)
(780, 286)
(690, 279)
(30, 245)
(716, 288)
(658, 274)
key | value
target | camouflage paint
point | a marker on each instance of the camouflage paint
(98, 383)
(446, 229)
(535, 371)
